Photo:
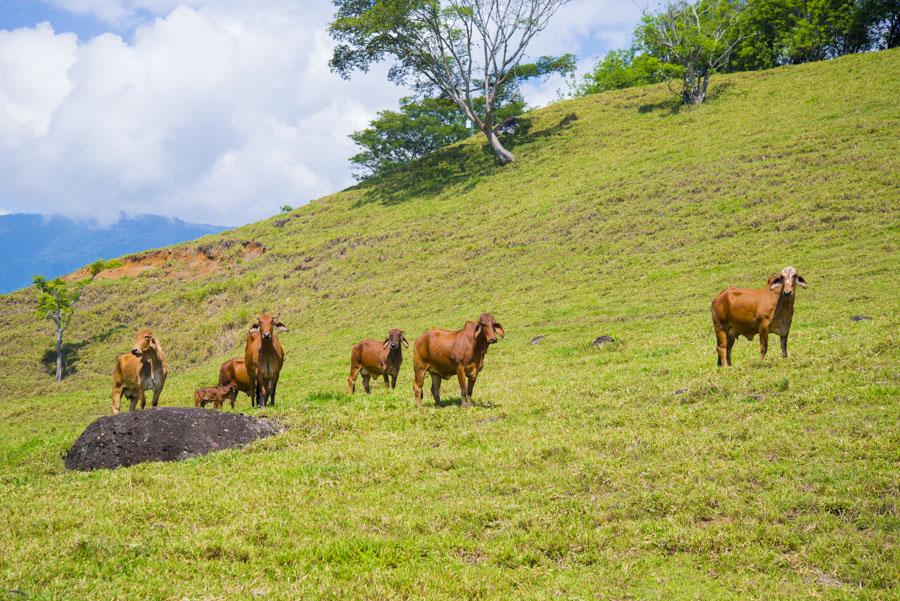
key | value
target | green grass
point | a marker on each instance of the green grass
(636, 470)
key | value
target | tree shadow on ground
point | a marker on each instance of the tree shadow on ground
(458, 167)
(675, 104)
(71, 350)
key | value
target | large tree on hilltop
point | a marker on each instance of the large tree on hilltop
(465, 50)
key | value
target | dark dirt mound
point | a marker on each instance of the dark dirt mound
(163, 434)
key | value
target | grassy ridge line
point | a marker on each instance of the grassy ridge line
(586, 475)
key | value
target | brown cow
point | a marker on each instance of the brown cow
(263, 358)
(234, 371)
(212, 394)
(144, 368)
(445, 353)
(751, 311)
(373, 358)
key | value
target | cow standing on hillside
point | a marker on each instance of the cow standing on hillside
(234, 371)
(263, 359)
(143, 368)
(445, 353)
(376, 359)
(751, 311)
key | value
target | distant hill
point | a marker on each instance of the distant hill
(52, 245)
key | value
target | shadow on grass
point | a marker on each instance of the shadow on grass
(71, 350)
(675, 104)
(459, 167)
(457, 402)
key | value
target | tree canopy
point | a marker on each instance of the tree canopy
(467, 51)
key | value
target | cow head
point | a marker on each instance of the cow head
(786, 280)
(489, 327)
(144, 342)
(394, 339)
(265, 326)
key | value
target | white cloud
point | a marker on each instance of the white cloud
(210, 110)
(210, 113)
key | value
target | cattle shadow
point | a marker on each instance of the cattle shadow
(457, 402)
(459, 167)
(71, 352)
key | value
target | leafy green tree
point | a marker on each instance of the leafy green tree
(286, 208)
(624, 69)
(57, 302)
(786, 32)
(419, 127)
(698, 37)
(883, 19)
(468, 51)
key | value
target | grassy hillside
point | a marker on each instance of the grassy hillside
(636, 470)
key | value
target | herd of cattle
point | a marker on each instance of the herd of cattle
(441, 353)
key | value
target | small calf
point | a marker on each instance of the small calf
(216, 395)
(377, 359)
(750, 311)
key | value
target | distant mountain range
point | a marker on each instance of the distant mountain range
(52, 246)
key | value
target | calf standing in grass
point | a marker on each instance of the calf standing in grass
(234, 371)
(376, 359)
(263, 358)
(751, 311)
(144, 368)
(213, 394)
(445, 353)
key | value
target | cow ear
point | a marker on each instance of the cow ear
(478, 328)
(386, 342)
(774, 282)
(801, 281)
(404, 341)
(499, 329)
(281, 327)
(154, 343)
(254, 328)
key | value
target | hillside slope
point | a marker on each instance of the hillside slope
(632, 470)
(54, 245)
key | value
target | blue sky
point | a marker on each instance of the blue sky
(217, 111)
(27, 13)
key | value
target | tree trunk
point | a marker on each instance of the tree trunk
(59, 355)
(503, 155)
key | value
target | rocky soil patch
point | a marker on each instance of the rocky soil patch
(163, 434)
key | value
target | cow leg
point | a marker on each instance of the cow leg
(232, 397)
(351, 379)
(728, 346)
(143, 397)
(116, 399)
(387, 384)
(274, 389)
(763, 342)
(366, 383)
(721, 342)
(156, 393)
(418, 380)
(784, 346)
(471, 388)
(463, 388)
(436, 388)
(132, 401)
(393, 381)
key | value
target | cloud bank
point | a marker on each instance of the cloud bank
(214, 111)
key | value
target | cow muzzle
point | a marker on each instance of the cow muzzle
(788, 292)
(135, 352)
